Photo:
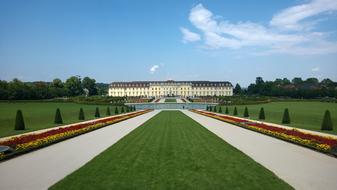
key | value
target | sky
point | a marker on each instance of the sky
(128, 40)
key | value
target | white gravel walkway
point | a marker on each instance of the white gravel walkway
(301, 167)
(42, 168)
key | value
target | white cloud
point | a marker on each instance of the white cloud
(290, 18)
(154, 68)
(315, 69)
(223, 34)
(189, 36)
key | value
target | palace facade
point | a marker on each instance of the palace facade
(171, 88)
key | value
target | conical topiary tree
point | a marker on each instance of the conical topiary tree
(214, 108)
(245, 113)
(235, 112)
(58, 118)
(97, 113)
(226, 111)
(220, 110)
(122, 110)
(286, 117)
(261, 114)
(327, 122)
(108, 113)
(134, 108)
(116, 110)
(19, 122)
(207, 108)
(81, 115)
(127, 109)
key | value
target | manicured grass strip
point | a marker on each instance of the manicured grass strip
(305, 115)
(40, 115)
(171, 151)
(170, 100)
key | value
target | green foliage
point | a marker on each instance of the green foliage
(227, 111)
(214, 108)
(89, 84)
(97, 114)
(261, 114)
(127, 109)
(81, 115)
(116, 111)
(235, 112)
(19, 122)
(58, 117)
(245, 113)
(286, 117)
(220, 109)
(122, 109)
(327, 122)
(74, 86)
(108, 111)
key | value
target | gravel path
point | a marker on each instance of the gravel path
(301, 167)
(42, 168)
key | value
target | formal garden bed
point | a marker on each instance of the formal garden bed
(25, 143)
(320, 143)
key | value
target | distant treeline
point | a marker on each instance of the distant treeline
(73, 86)
(296, 88)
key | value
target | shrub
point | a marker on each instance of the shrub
(226, 111)
(245, 113)
(19, 122)
(327, 122)
(122, 110)
(214, 108)
(127, 109)
(286, 117)
(220, 110)
(261, 114)
(58, 118)
(108, 111)
(235, 112)
(97, 113)
(81, 115)
(116, 110)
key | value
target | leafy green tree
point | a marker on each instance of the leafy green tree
(19, 122)
(81, 115)
(226, 111)
(286, 117)
(237, 89)
(327, 122)
(235, 112)
(220, 110)
(58, 117)
(74, 86)
(89, 84)
(116, 110)
(97, 113)
(108, 111)
(245, 113)
(261, 114)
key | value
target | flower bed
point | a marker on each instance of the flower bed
(317, 142)
(29, 142)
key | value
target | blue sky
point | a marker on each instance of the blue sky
(160, 40)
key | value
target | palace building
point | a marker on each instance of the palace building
(171, 88)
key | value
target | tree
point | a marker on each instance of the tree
(116, 110)
(81, 115)
(227, 111)
(214, 108)
(108, 111)
(57, 83)
(297, 81)
(58, 117)
(245, 113)
(127, 109)
(286, 117)
(97, 113)
(327, 122)
(259, 81)
(235, 112)
(261, 114)
(90, 85)
(237, 89)
(220, 110)
(19, 122)
(74, 86)
(122, 110)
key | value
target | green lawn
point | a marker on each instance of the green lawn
(41, 115)
(306, 115)
(170, 100)
(171, 151)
